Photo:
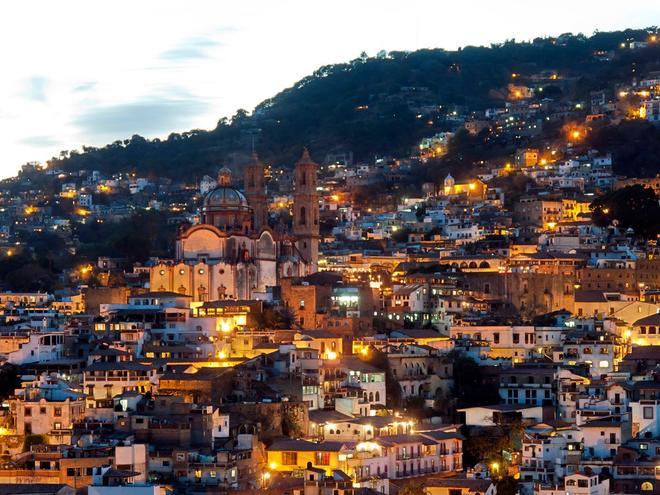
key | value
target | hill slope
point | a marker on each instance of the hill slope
(364, 106)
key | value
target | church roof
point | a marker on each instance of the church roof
(225, 197)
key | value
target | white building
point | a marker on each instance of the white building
(577, 484)
(42, 347)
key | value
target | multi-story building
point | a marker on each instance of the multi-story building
(47, 406)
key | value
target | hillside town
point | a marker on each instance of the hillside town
(339, 327)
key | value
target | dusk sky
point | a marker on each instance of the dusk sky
(93, 72)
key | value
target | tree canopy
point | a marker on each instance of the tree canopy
(634, 207)
(370, 106)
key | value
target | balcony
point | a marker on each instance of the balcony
(526, 385)
(420, 472)
(407, 456)
(538, 467)
(414, 377)
(451, 452)
(130, 378)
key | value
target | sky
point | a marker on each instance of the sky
(79, 73)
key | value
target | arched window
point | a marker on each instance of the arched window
(303, 216)
(647, 486)
(371, 396)
(377, 396)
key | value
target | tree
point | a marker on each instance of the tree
(31, 440)
(634, 145)
(491, 446)
(507, 485)
(633, 207)
(392, 388)
(469, 388)
(359, 106)
(132, 246)
(414, 487)
(9, 380)
(30, 277)
(274, 319)
(290, 426)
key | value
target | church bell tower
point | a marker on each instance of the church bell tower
(255, 192)
(306, 211)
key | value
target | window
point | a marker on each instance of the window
(28, 411)
(322, 459)
(648, 412)
(516, 338)
(57, 412)
(290, 458)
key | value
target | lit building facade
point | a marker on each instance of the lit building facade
(233, 253)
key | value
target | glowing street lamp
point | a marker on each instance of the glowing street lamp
(264, 479)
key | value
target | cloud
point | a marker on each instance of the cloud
(191, 49)
(150, 117)
(84, 87)
(36, 88)
(39, 141)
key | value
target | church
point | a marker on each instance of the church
(233, 253)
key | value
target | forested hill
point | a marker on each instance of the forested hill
(364, 106)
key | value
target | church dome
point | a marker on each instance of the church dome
(225, 207)
(225, 197)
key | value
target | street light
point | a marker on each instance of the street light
(264, 479)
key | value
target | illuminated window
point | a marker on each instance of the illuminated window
(290, 458)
